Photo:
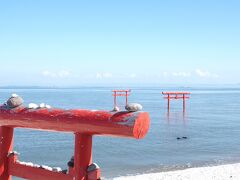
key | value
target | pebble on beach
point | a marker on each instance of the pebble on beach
(35, 106)
(14, 101)
(116, 108)
(43, 105)
(48, 106)
(46, 167)
(57, 169)
(71, 162)
(133, 107)
(32, 106)
(93, 167)
(13, 153)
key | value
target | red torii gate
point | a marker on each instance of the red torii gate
(176, 95)
(120, 92)
(83, 123)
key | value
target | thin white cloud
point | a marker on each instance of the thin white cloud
(198, 72)
(48, 74)
(205, 74)
(181, 74)
(177, 74)
(64, 73)
(132, 75)
(104, 75)
(165, 74)
(108, 75)
(59, 74)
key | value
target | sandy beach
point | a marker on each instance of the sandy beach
(223, 172)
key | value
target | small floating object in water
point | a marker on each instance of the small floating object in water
(32, 106)
(184, 137)
(14, 101)
(133, 107)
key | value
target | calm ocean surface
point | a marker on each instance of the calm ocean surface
(211, 123)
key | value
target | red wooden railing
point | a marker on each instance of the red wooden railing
(83, 123)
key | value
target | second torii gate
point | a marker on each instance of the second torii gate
(121, 92)
(176, 95)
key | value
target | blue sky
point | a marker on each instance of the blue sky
(73, 43)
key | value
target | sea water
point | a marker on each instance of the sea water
(211, 124)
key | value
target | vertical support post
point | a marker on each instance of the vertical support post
(6, 144)
(168, 102)
(82, 155)
(115, 99)
(126, 97)
(184, 103)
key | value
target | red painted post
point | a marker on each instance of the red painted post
(126, 97)
(82, 155)
(115, 99)
(83, 123)
(176, 95)
(184, 103)
(168, 102)
(6, 143)
(116, 93)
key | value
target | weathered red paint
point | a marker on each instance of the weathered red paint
(94, 174)
(28, 172)
(83, 123)
(83, 145)
(6, 144)
(176, 95)
(80, 121)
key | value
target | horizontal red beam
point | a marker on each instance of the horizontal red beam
(177, 97)
(120, 94)
(175, 93)
(28, 172)
(125, 124)
(128, 90)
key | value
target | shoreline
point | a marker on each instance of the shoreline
(219, 172)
